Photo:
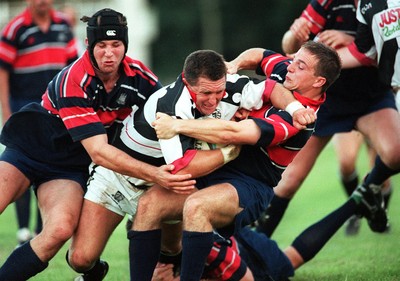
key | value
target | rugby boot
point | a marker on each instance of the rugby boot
(371, 206)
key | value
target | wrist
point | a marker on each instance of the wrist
(225, 155)
(178, 126)
(293, 106)
(229, 153)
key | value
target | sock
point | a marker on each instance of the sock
(273, 215)
(175, 259)
(144, 251)
(350, 183)
(387, 193)
(97, 270)
(22, 264)
(195, 248)
(379, 173)
(311, 240)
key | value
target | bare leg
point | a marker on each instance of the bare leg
(95, 227)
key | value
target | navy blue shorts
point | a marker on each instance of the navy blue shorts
(38, 172)
(254, 196)
(263, 256)
(330, 121)
(17, 104)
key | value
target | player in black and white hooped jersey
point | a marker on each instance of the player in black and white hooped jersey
(202, 90)
(377, 42)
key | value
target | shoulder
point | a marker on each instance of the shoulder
(79, 73)
(59, 17)
(368, 8)
(133, 66)
(15, 24)
(274, 66)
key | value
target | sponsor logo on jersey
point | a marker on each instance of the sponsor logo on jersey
(366, 7)
(122, 98)
(388, 21)
(390, 16)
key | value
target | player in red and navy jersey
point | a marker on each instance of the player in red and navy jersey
(52, 144)
(34, 46)
(368, 107)
(33, 49)
(234, 195)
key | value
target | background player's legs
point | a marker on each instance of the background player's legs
(23, 212)
(291, 181)
(347, 147)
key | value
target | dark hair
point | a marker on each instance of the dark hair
(204, 63)
(105, 24)
(329, 64)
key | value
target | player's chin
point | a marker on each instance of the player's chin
(208, 110)
(288, 85)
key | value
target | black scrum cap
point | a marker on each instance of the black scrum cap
(105, 24)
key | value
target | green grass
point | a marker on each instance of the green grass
(365, 257)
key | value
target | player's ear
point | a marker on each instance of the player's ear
(319, 82)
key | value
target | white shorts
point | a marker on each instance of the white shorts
(113, 191)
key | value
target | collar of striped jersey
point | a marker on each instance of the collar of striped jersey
(188, 87)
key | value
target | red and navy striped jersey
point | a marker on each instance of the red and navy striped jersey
(74, 107)
(224, 261)
(354, 86)
(280, 141)
(331, 14)
(32, 56)
(79, 98)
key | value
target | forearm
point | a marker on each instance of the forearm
(282, 97)
(120, 162)
(115, 159)
(249, 59)
(209, 130)
(347, 58)
(290, 44)
(4, 95)
(204, 162)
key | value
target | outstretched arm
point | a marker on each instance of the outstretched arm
(349, 60)
(225, 132)
(277, 94)
(248, 60)
(209, 130)
(114, 159)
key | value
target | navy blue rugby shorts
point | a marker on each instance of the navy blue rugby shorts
(330, 121)
(254, 196)
(263, 256)
(39, 172)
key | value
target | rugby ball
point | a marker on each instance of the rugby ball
(203, 145)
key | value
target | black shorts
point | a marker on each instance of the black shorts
(40, 172)
(254, 196)
(330, 121)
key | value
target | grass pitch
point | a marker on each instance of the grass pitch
(365, 257)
